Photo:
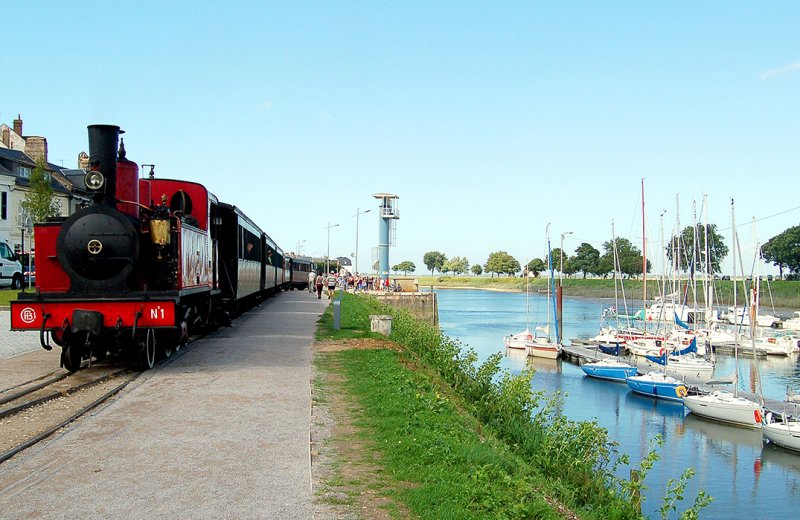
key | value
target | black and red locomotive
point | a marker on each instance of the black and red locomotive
(148, 263)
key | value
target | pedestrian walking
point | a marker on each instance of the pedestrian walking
(319, 281)
(312, 277)
(331, 284)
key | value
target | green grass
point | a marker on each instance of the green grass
(434, 461)
(500, 458)
(6, 295)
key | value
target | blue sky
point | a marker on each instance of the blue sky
(488, 119)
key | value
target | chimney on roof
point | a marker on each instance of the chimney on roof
(36, 148)
(83, 161)
(18, 125)
(6, 137)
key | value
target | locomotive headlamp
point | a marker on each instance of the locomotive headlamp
(94, 180)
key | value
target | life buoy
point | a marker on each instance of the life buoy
(757, 415)
(662, 351)
(681, 391)
(771, 340)
(529, 337)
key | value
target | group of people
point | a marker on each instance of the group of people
(319, 281)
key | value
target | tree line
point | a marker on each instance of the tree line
(782, 250)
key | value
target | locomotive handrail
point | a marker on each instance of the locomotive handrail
(148, 208)
(136, 317)
(45, 345)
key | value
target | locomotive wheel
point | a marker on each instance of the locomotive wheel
(71, 357)
(147, 350)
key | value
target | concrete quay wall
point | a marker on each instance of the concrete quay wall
(424, 306)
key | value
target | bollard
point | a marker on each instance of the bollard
(337, 314)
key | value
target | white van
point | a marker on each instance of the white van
(10, 268)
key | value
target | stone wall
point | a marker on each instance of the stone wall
(424, 306)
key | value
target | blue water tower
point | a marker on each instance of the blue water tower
(389, 214)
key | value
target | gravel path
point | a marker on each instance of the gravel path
(221, 432)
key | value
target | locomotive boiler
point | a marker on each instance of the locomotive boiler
(147, 263)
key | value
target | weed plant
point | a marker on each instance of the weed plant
(575, 458)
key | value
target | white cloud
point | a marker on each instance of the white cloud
(782, 70)
(264, 106)
(324, 115)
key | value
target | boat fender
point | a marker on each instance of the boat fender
(757, 415)
(681, 391)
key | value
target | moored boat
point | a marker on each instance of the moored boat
(609, 369)
(518, 341)
(784, 432)
(658, 385)
(727, 407)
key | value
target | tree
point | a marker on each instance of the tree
(783, 250)
(586, 259)
(39, 202)
(630, 258)
(434, 260)
(692, 257)
(501, 262)
(536, 266)
(457, 265)
(477, 270)
(406, 266)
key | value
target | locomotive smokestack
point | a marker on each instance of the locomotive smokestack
(103, 143)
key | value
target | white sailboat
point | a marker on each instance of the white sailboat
(543, 346)
(783, 431)
(722, 405)
(519, 341)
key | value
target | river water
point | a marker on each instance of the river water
(746, 479)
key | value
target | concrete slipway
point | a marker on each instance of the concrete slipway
(221, 432)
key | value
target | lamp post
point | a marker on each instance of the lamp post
(299, 243)
(356, 215)
(328, 253)
(560, 289)
(561, 262)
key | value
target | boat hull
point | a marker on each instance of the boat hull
(725, 407)
(784, 434)
(611, 373)
(665, 389)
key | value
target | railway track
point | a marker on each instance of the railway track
(33, 411)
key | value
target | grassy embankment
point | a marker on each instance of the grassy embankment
(457, 440)
(778, 294)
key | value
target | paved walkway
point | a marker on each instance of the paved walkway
(15, 343)
(221, 432)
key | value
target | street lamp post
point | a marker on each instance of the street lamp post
(560, 289)
(328, 253)
(356, 215)
(299, 243)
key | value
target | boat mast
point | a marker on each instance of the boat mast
(736, 326)
(549, 283)
(618, 273)
(644, 268)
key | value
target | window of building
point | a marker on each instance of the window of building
(25, 172)
(4, 205)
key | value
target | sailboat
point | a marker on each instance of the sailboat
(543, 346)
(657, 383)
(783, 431)
(519, 341)
(723, 405)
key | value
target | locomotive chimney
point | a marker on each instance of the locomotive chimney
(103, 143)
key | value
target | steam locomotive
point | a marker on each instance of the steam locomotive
(149, 262)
